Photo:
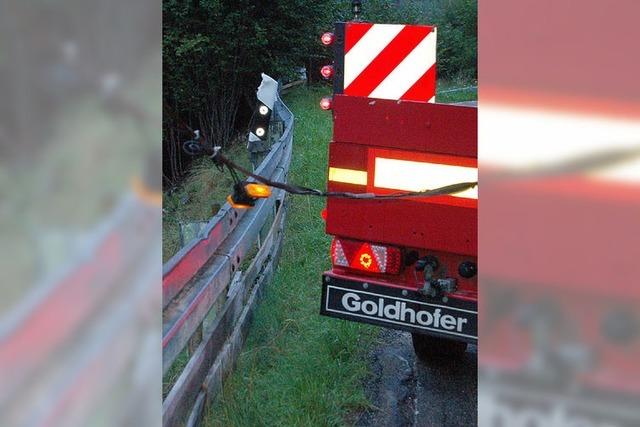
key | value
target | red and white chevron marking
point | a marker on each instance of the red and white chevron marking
(390, 61)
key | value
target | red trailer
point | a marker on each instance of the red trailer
(406, 263)
(560, 216)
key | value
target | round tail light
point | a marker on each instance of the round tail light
(325, 104)
(327, 39)
(327, 71)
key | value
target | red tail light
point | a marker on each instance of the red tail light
(327, 39)
(327, 71)
(325, 103)
(365, 256)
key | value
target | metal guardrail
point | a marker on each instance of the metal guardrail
(208, 302)
(288, 86)
(75, 338)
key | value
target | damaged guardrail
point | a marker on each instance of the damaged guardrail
(208, 295)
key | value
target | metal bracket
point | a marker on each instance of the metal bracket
(436, 287)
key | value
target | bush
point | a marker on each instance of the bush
(457, 29)
(457, 22)
(215, 50)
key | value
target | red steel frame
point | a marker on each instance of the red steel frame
(586, 281)
(444, 226)
(407, 131)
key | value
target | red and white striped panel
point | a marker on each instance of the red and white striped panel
(390, 61)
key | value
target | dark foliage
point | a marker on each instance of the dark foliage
(215, 50)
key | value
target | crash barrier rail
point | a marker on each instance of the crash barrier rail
(288, 86)
(210, 293)
(74, 338)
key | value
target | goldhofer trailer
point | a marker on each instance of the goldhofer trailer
(406, 263)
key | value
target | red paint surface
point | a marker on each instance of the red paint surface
(405, 223)
(445, 225)
(407, 131)
(527, 227)
(354, 32)
(424, 88)
(63, 312)
(406, 125)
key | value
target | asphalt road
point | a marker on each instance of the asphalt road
(406, 392)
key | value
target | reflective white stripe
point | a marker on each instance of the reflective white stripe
(432, 100)
(407, 73)
(367, 48)
(418, 176)
(348, 176)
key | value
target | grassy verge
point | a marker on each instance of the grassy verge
(198, 198)
(298, 368)
(450, 91)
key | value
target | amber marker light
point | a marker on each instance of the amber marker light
(258, 191)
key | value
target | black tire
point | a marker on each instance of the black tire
(436, 349)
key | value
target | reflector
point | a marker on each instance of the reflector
(365, 256)
(348, 176)
(418, 176)
(337, 254)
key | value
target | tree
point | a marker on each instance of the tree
(215, 50)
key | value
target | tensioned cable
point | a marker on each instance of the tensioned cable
(220, 160)
(579, 165)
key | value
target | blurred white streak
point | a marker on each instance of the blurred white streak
(525, 138)
(80, 251)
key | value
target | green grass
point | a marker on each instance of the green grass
(170, 378)
(299, 368)
(198, 198)
(450, 91)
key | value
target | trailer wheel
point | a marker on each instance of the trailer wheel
(429, 348)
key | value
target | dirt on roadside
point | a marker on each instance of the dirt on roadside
(404, 391)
